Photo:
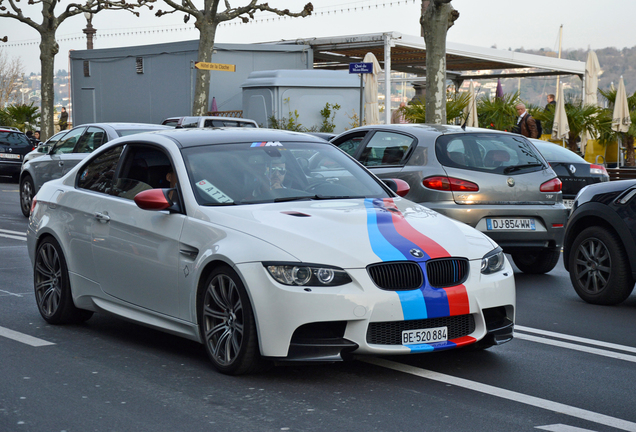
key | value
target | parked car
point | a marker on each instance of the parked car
(314, 270)
(70, 148)
(14, 145)
(599, 249)
(574, 172)
(208, 121)
(494, 181)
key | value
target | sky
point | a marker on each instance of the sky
(587, 24)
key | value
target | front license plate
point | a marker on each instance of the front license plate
(568, 203)
(412, 337)
(9, 156)
(510, 224)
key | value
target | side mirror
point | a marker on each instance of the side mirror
(155, 199)
(400, 187)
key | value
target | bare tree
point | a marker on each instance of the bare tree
(437, 17)
(10, 73)
(207, 19)
(48, 45)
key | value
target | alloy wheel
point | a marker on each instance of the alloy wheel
(223, 319)
(48, 280)
(593, 265)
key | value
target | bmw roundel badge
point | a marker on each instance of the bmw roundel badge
(417, 253)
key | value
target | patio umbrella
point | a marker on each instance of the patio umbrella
(371, 109)
(621, 119)
(592, 69)
(560, 126)
(499, 93)
(214, 107)
(471, 109)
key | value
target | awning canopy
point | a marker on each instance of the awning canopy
(404, 53)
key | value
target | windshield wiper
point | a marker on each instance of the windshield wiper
(509, 169)
(220, 204)
(316, 197)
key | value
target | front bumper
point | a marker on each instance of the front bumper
(328, 323)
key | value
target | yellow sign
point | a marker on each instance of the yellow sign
(215, 66)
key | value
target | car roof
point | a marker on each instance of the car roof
(427, 129)
(125, 125)
(192, 137)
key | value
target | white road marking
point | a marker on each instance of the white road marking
(8, 234)
(10, 293)
(24, 338)
(562, 428)
(576, 339)
(506, 394)
(575, 347)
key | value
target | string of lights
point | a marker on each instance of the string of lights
(352, 7)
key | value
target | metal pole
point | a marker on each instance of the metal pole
(361, 102)
(388, 42)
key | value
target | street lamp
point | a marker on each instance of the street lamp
(89, 31)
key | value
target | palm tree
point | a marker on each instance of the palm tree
(23, 116)
(498, 113)
(456, 103)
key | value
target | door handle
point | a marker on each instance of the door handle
(102, 217)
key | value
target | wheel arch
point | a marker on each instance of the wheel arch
(596, 214)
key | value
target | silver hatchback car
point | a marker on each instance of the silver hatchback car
(494, 181)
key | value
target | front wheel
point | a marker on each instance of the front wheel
(227, 324)
(52, 287)
(537, 262)
(599, 267)
(27, 190)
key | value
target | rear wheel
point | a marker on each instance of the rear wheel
(599, 267)
(52, 286)
(227, 324)
(537, 262)
(26, 195)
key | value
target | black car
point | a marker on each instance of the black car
(599, 249)
(574, 172)
(13, 146)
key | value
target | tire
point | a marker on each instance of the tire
(599, 267)
(27, 191)
(227, 324)
(539, 262)
(52, 287)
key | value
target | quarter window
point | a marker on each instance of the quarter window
(92, 139)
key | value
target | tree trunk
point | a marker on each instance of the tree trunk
(207, 31)
(437, 19)
(572, 144)
(629, 150)
(48, 49)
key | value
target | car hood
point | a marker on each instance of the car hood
(354, 233)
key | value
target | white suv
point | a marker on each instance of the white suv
(208, 121)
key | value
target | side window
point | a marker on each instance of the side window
(67, 143)
(386, 148)
(144, 168)
(99, 173)
(90, 140)
(351, 143)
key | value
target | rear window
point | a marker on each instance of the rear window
(495, 153)
(555, 153)
(17, 139)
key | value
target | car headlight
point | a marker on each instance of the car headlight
(307, 274)
(493, 261)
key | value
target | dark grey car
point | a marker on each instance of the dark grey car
(494, 181)
(68, 151)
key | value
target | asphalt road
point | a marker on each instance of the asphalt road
(571, 367)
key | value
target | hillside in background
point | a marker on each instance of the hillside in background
(614, 63)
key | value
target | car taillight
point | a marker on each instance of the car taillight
(449, 184)
(553, 185)
(598, 169)
(33, 204)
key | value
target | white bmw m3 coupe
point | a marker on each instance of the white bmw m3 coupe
(265, 246)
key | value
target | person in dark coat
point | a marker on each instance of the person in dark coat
(526, 125)
(551, 102)
(63, 119)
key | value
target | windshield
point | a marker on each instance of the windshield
(250, 173)
(495, 153)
